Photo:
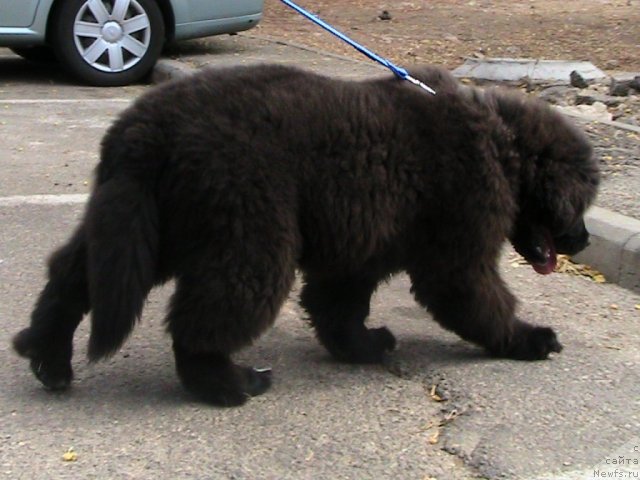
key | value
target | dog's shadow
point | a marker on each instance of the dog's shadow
(14, 69)
(145, 378)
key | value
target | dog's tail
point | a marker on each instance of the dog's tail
(122, 239)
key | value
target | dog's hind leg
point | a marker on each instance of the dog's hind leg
(338, 309)
(223, 301)
(476, 304)
(48, 341)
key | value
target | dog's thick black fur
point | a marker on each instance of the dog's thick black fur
(229, 180)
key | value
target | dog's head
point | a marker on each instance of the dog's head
(559, 179)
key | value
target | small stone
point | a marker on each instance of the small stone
(591, 98)
(558, 94)
(385, 15)
(635, 83)
(612, 64)
(577, 80)
(596, 111)
(585, 99)
(619, 88)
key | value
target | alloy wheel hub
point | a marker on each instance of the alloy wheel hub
(112, 32)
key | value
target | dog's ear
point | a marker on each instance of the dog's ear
(564, 190)
(567, 174)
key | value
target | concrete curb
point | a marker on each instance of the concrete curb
(615, 247)
(615, 238)
(166, 69)
(610, 123)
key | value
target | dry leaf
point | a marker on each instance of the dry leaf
(434, 395)
(429, 426)
(70, 455)
(565, 265)
(449, 417)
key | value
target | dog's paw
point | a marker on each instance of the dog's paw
(228, 389)
(382, 339)
(367, 346)
(533, 343)
(55, 376)
(215, 379)
(52, 368)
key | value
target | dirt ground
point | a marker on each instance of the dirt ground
(605, 32)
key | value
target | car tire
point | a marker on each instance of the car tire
(37, 54)
(108, 42)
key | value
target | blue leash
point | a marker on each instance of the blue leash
(398, 71)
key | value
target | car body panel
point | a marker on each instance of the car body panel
(215, 27)
(193, 19)
(17, 17)
(186, 11)
(24, 35)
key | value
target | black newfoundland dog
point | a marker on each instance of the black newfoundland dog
(229, 180)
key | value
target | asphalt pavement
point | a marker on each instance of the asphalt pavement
(438, 408)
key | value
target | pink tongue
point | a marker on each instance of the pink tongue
(548, 266)
(545, 268)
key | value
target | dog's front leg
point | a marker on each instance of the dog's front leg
(476, 304)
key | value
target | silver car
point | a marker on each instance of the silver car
(115, 42)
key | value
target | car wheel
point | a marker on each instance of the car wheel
(108, 42)
(39, 54)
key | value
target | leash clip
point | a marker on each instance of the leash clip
(420, 84)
